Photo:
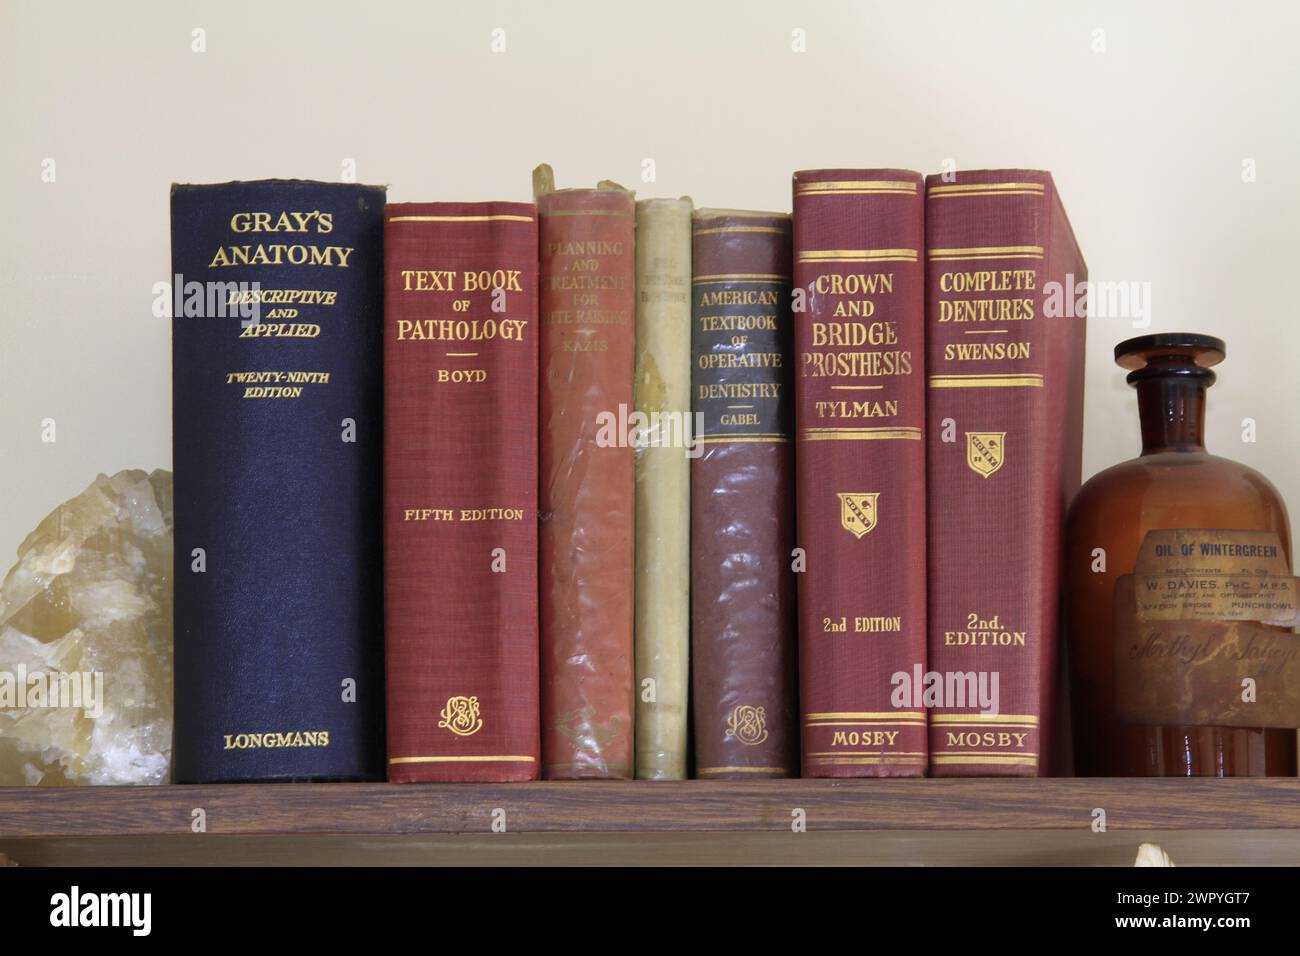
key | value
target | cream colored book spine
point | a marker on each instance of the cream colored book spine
(663, 508)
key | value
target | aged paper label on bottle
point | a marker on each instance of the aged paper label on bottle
(1212, 574)
(1191, 646)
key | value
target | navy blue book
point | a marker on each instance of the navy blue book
(277, 391)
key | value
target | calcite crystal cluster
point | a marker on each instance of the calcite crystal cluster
(91, 595)
(1150, 854)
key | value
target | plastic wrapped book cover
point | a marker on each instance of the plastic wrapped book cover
(587, 478)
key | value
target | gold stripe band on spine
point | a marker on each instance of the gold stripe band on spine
(837, 714)
(979, 753)
(878, 722)
(986, 252)
(855, 187)
(752, 439)
(1026, 380)
(869, 753)
(511, 758)
(964, 195)
(741, 277)
(727, 230)
(460, 219)
(987, 189)
(900, 433)
(857, 255)
(867, 761)
(810, 254)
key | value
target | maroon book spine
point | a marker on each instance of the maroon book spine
(742, 498)
(588, 315)
(1005, 334)
(860, 470)
(460, 491)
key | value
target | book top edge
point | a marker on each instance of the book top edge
(666, 202)
(976, 176)
(450, 208)
(280, 184)
(544, 184)
(604, 189)
(1010, 182)
(712, 212)
(570, 201)
(820, 175)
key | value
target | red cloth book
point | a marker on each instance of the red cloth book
(860, 468)
(1005, 340)
(587, 359)
(460, 491)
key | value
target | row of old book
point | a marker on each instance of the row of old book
(595, 487)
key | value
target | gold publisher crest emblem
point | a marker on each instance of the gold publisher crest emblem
(858, 511)
(985, 451)
(748, 724)
(460, 716)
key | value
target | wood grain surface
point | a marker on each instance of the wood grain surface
(631, 806)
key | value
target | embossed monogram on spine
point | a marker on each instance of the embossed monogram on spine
(858, 511)
(748, 724)
(985, 451)
(460, 715)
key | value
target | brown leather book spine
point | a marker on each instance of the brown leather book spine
(587, 481)
(860, 470)
(1005, 336)
(460, 491)
(742, 498)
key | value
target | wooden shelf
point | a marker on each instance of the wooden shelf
(858, 821)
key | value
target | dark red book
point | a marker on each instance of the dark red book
(460, 490)
(1005, 338)
(860, 469)
(588, 270)
(742, 498)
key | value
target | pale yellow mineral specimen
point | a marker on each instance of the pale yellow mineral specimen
(91, 595)
(1149, 854)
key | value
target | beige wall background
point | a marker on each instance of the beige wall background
(1145, 113)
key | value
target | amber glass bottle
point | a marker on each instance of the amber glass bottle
(1174, 484)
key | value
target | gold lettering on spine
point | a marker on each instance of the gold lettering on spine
(848, 342)
(580, 267)
(459, 292)
(276, 741)
(276, 384)
(999, 740)
(275, 322)
(281, 254)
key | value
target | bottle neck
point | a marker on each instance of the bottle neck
(1172, 411)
